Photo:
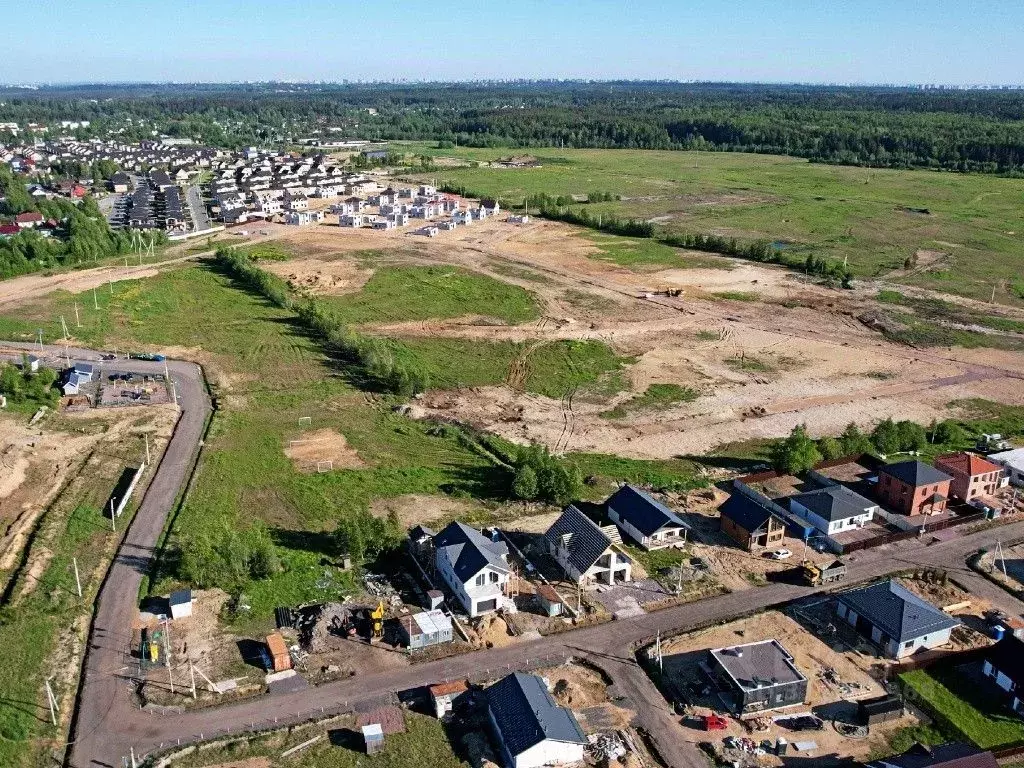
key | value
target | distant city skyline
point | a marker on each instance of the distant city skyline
(966, 43)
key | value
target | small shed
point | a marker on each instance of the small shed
(280, 659)
(443, 696)
(180, 603)
(32, 363)
(373, 738)
(549, 600)
(880, 709)
(422, 630)
(435, 597)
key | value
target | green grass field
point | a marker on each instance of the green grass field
(273, 374)
(869, 216)
(971, 710)
(399, 294)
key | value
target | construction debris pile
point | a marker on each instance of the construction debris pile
(320, 626)
(831, 679)
(605, 746)
(380, 587)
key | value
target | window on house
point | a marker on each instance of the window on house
(480, 580)
(908, 644)
(494, 578)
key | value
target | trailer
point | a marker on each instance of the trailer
(815, 575)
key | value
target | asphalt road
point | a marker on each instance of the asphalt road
(108, 724)
(200, 218)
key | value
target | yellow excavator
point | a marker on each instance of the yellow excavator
(377, 620)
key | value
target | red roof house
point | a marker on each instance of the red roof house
(973, 475)
(29, 219)
(9, 229)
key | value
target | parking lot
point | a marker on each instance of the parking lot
(121, 389)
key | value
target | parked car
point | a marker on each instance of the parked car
(780, 554)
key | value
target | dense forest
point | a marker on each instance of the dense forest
(953, 129)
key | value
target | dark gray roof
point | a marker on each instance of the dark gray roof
(526, 714)
(586, 541)
(836, 502)
(645, 514)
(953, 754)
(897, 611)
(756, 665)
(469, 550)
(746, 513)
(915, 473)
(180, 597)
(1008, 657)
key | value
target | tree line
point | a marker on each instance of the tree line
(383, 363)
(894, 127)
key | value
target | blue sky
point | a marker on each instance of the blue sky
(829, 41)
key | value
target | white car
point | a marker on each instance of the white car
(781, 554)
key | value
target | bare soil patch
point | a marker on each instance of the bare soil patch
(419, 509)
(320, 277)
(314, 448)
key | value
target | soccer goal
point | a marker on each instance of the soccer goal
(305, 421)
(324, 466)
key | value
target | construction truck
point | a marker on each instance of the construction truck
(815, 575)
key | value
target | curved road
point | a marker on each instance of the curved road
(108, 724)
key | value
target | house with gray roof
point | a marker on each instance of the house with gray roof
(531, 729)
(914, 488)
(833, 509)
(587, 551)
(895, 619)
(474, 567)
(644, 519)
(757, 676)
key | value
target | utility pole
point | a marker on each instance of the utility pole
(192, 677)
(39, 334)
(132, 753)
(52, 701)
(992, 300)
(113, 517)
(1002, 557)
(78, 320)
(657, 651)
(64, 325)
(95, 301)
(146, 436)
(78, 581)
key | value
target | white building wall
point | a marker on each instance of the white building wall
(549, 752)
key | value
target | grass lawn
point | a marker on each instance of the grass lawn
(860, 214)
(424, 743)
(970, 709)
(397, 294)
(550, 369)
(639, 254)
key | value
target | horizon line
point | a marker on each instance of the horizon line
(28, 86)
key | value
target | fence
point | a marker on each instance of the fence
(161, 754)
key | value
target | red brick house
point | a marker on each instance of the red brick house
(913, 488)
(973, 476)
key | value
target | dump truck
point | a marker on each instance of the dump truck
(815, 575)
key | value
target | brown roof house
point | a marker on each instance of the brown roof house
(973, 476)
(913, 488)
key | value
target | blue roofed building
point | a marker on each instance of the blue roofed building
(531, 728)
(895, 619)
(751, 522)
(645, 520)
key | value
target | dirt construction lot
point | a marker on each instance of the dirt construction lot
(788, 353)
(836, 680)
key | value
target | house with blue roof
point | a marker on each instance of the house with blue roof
(752, 521)
(645, 520)
(895, 619)
(474, 567)
(531, 728)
